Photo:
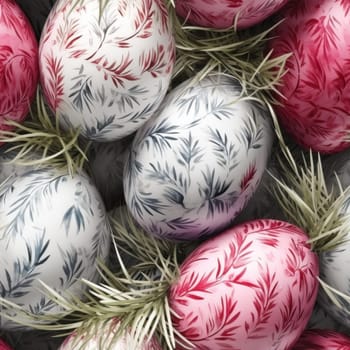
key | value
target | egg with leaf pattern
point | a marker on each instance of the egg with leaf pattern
(106, 66)
(225, 13)
(54, 227)
(251, 287)
(314, 94)
(194, 165)
(18, 63)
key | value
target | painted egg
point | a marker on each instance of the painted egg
(105, 69)
(194, 165)
(251, 287)
(18, 63)
(103, 339)
(4, 346)
(37, 12)
(53, 228)
(224, 13)
(322, 340)
(106, 166)
(316, 87)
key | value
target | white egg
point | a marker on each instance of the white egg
(103, 338)
(106, 66)
(53, 228)
(195, 164)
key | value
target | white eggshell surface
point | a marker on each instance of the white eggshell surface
(103, 338)
(194, 165)
(105, 66)
(53, 228)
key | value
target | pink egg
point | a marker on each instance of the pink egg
(18, 63)
(222, 13)
(322, 340)
(253, 287)
(4, 346)
(315, 110)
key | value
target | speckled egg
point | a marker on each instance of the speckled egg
(194, 165)
(251, 287)
(54, 227)
(18, 63)
(105, 69)
(224, 13)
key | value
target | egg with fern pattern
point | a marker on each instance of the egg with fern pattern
(221, 14)
(53, 229)
(106, 66)
(314, 94)
(193, 166)
(251, 287)
(19, 72)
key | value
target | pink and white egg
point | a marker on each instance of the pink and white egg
(18, 63)
(105, 69)
(251, 287)
(316, 87)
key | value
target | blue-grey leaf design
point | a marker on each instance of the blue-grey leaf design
(144, 202)
(181, 223)
(167, 174)
(190, 153)
(130, 99)
(102, 127)
(6, 188)
(25, 271)
(160, 136)
(174, 196)
(216, 193)
(43, 306)
(252, 135)
(78, 211)
(224, 149)
(220, 109)
(73, 266)
(100, 240)
(30, 201)
(82, 91)
(132, 168)
(189, 103)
